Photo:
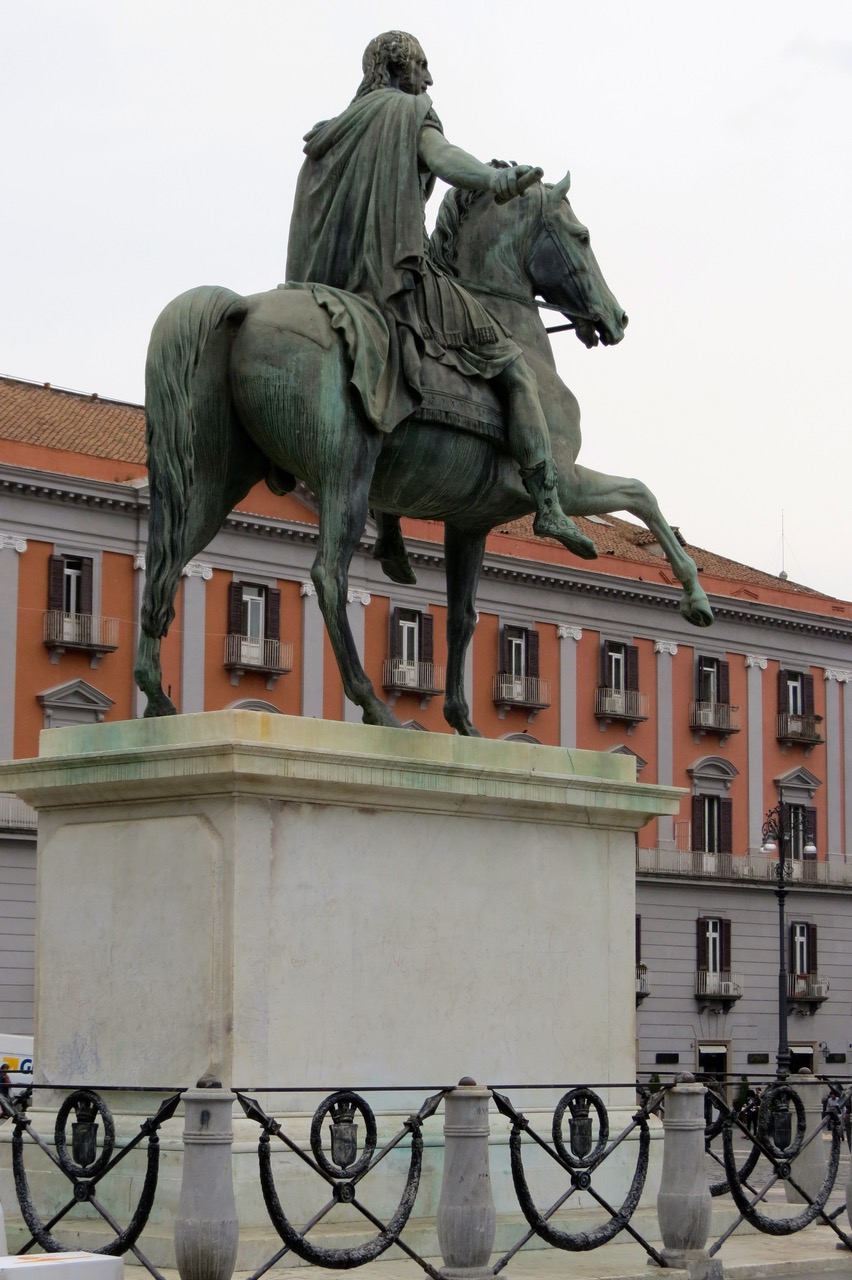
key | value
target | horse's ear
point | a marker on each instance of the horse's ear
(561, 189)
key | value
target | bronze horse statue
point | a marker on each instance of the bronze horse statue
(244, 389)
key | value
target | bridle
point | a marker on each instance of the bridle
(534, 303)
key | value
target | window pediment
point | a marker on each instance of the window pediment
(712, 775)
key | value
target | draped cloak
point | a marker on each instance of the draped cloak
(358, 229)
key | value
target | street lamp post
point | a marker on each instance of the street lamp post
(778, 837)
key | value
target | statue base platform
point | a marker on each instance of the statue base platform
(289, 904)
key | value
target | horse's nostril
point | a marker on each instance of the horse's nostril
(625, 319)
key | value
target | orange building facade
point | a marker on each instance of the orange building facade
(752, 713)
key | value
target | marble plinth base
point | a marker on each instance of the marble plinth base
(270, 901)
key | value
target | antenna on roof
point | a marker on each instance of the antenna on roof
(783, 573)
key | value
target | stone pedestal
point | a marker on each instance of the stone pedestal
(809, 1167)
(266, 900)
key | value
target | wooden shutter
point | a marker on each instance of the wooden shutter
(785, 823)
(725, 937)
(272, 620)
(726, 825)
(235, 609)
(698, 823)
(504, 651)
(56, 583)
(605, 652)
(631, 665)
(810, 825)
(723, 688)
(532, 653)
(807, 695)
(638, 939)
(782, 692)
(701, 943)
(87, 574)
(395, 646)
(427, 637)
(812, 949)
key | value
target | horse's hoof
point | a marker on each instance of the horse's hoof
(381, 715)
(159, 705)
(697, 611)
(398, 569)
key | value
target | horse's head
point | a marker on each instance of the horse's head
(564, 271)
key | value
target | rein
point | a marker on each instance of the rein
(516, 297)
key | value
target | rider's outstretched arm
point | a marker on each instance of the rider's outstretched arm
(463, 170)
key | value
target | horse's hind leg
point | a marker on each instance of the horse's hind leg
(594, 493)
(343, 501)
(464, 554)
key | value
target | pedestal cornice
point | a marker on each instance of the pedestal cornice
(289, 758)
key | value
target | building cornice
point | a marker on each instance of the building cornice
(133, 497)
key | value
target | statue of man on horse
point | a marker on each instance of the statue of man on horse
(358, 227)
(390, 374)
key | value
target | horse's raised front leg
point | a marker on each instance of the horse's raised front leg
(343, 501)
(594, 493)
(464, 553)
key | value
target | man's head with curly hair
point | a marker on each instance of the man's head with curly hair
(387, 63)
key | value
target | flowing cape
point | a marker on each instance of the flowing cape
(358, 240)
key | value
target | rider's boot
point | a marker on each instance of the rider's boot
(390, 550)
(550, 520)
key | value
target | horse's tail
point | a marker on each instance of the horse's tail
(178, 379)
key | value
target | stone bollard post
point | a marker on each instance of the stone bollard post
(206, 1227)
(809, 1167)
(467, 1219)
(684, 1204)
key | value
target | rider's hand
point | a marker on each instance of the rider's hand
(511, 182)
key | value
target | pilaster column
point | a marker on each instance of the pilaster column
(665, 651)
(356, 596)
(570, 637)
(833, 770)
(755, 665)
(192, 640)
(313, 652)
(12, 546)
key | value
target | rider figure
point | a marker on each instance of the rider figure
(358, 226)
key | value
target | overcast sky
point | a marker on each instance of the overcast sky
(152, 147)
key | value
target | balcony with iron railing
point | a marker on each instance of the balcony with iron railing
(807, 989)
(423, 678)
(528, 692)
(792, 729)
(79, 631)
(714, 717)
(721, 985)
(643, 984)
(271, 658)
(747, 866)
(15, 815)
(620, 704)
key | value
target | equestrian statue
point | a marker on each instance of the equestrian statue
(392, 373)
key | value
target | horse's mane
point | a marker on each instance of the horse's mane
(455, 206)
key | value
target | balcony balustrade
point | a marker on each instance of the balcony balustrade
(792, 729)
(643, 984)
(79, 631)
(727, 866)
(529, 692)
(721, 985)
(714, 717)
(271, 658)
(15, 815)
(809, 988)
(425, 678)
(620, 704)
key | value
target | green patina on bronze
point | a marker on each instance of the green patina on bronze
(391, 373)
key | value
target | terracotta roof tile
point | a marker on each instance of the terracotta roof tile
(627, 541)
(75, 423)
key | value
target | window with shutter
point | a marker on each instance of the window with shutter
(638, 939)
(701, 948)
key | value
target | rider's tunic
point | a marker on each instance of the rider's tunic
(358, 228)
